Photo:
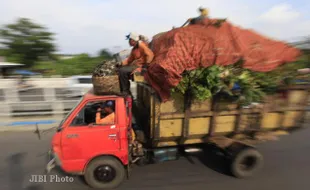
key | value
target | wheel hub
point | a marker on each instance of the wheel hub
(105, 173)
(248, 163)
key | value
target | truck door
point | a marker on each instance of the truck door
(83, 138)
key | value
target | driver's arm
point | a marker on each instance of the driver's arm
(109, 119)
(98, 117)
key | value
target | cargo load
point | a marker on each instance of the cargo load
(104, 78)
(210, 43)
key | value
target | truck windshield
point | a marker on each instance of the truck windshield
(66, 117)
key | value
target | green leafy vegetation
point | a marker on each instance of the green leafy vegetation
(204, 83)
(82, 64)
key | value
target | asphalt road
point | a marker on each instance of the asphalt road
(286, 167)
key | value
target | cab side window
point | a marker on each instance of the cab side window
(96, 113)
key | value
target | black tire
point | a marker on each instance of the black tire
(246, 162)
(116, 173)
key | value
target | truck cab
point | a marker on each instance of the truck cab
(97, 151)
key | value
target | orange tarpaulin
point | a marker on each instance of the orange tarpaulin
(204, 45)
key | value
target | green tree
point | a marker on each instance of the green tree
(27, 42)
(304, 46)
(105, 53)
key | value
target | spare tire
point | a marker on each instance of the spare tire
(246, 162)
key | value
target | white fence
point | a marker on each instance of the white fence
(47, 97)
(40, 101)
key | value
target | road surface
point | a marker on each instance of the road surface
(286, 167)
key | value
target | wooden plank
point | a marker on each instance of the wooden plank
(296, 87)
(201, 115)
(137, 77)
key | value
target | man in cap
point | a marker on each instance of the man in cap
(141, 55)
(108, 108)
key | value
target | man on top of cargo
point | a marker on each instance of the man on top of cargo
(141, 55)
(108, 107)
(203, 14)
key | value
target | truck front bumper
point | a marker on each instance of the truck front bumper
(52, 161)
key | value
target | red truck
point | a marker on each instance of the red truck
(104, 153)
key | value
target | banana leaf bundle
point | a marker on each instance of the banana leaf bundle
(248, 86)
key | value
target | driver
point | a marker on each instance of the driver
(108, 108)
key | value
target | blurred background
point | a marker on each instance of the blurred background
(48, 50)
(37, 84)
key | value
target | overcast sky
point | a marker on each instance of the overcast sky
(90, 25)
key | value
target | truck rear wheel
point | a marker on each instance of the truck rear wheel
(104, 173)
(246, 162)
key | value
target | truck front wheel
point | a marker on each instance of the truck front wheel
(246, 162)
(104, 173)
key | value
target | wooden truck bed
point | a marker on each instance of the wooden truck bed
(169, 124)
